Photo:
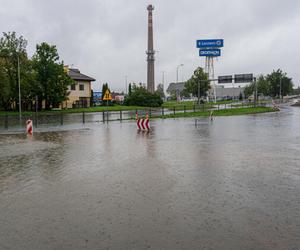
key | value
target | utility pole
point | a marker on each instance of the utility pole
(163, 81)
(280, 87)
(177, 91)
(255, 92)
(19, 83)
(126, 85)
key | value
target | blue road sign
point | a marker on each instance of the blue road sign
(211, 43)
(209, 52)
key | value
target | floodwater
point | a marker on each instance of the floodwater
(233, 183)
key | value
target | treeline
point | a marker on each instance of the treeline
(41, 78)
(139, 96)
(275, 84)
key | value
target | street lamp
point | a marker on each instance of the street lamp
(163, 81)
(180, 65)
(280, 87)
(20, 111)
(126, 84)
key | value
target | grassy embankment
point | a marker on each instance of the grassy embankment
(223, 112)
(77, 110)
(189, 105)
(179, 106)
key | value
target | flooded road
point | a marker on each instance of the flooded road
(233, 183)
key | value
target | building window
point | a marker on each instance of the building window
(73, 87)
(81, 87)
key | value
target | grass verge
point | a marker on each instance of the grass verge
(224, 112)
(77, 110)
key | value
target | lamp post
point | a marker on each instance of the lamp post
(126, 84)
(163, 81)
(20, 111)
(180, 65)
(280, 86)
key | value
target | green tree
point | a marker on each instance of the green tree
(160, 90)
(129, 89)
(51, 80)
(13, 54)
(198, 78)
(249, 90)
(240, 96)
(141, 97)
(92, 98)
(104, 88)
(263, 86)
(4, 87)
(278, 80)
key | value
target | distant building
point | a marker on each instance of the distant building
(221, 91)
(229, 93)
(118, 97)
(175, 87)
(80, 91)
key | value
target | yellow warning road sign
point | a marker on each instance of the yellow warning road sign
(107, 96)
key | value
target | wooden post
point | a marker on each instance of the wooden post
(174, 110)
(121, 115)
(83, 117)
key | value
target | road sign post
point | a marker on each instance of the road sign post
(210, 48)
(107, 97)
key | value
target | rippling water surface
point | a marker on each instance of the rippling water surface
(233, 183)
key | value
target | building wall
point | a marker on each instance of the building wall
(76, 95)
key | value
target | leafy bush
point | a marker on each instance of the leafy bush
(139, 96)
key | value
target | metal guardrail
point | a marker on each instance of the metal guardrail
(41, 119)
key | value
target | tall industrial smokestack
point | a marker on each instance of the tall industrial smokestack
(150, 52)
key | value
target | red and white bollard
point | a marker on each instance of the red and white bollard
(143, 124)
(29, 127)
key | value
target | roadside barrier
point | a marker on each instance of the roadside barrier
(142, 123)
(29, 128)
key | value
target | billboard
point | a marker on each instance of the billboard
(97, 97)
(210, 43)
(225, 79)
(209, 52)
(241, 78)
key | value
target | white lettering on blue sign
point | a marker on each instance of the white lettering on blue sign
(209, 52)
(217, 43)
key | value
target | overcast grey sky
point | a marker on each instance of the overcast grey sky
(107, 39)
